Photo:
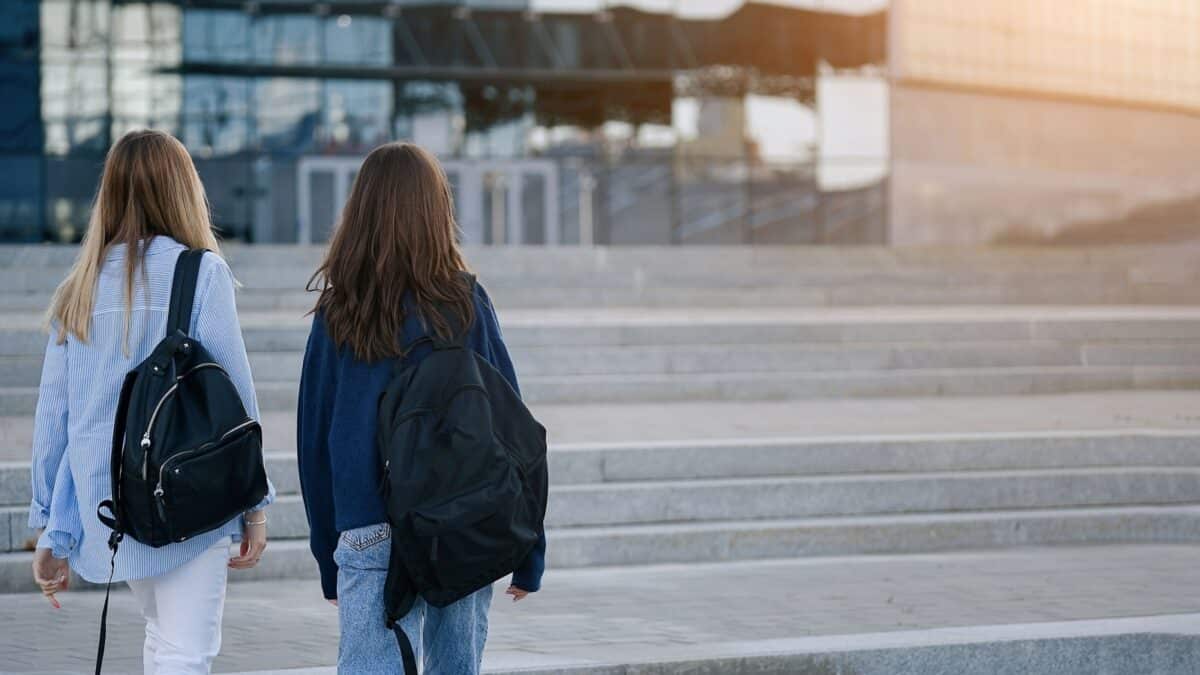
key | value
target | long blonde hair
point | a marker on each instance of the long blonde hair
(149, 187)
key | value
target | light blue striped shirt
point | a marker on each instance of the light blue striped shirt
(77, 402)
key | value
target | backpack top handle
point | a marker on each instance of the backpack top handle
(183, 290)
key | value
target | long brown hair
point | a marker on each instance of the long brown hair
(396, 236)
(149, 187)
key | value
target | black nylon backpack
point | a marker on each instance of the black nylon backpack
(464, 477)
(186, 457)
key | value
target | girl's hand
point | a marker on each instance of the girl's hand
(254, 541)
(517, 593)
(51, 574)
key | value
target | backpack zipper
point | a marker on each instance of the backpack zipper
(158, 407)
(158, 489)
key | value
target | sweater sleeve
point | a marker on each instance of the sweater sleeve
(318, 388)
(489, 342)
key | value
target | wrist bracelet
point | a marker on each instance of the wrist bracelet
(256, 522)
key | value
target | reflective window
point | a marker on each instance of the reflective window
(216, 115)
(358, 39)
(287, 113)
(356, 114)
(221, 36)
(286, 40)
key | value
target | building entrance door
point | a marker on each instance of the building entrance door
(497, 202)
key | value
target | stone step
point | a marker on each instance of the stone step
(1103, 327)
(621, 504)
(284, 366)
(1080, 293)
(281, 396)
(906, 533)
(1145, 258)
(594, 463)
(789, 538)
(617, 504)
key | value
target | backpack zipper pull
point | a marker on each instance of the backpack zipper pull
(159, 502)
(145, 453)
(433, 556)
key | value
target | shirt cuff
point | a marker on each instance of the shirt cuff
(39, 516)
(60, 543)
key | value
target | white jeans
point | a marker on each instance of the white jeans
(183, 611)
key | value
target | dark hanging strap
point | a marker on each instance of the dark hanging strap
(112, 567)
(183, 290)
(399, 596)
(406, 651)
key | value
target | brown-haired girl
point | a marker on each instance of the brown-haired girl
(392, 273)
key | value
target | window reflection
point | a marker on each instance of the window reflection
(358, 40)
(287, 113)
(286, 40)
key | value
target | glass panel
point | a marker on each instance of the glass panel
(322, 202)
(356, 114)
(287, 113)
(219, 36)
(285, 39)
(533, 208)
(215, 119)
(358, 39)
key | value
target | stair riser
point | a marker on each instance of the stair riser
(629, 505)
(746, 541)
(261, 271)
(291, 334)
(750, 459)
(799, 296)
(585, 360)
(585, 549)
(752, 387)
(683, 502)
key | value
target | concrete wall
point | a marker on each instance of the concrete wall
(974, 167)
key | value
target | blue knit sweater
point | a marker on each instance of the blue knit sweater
(335, 436)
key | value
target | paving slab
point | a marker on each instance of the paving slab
(699, 611)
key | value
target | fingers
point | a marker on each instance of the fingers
(52, 576)
(54, 583)
(252, 551)
(517, 593)
(50, 588)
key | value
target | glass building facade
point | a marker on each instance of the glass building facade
(622, 125)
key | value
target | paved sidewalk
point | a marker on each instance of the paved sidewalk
(619, 423)
(599, 613)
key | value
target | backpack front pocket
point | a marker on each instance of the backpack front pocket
(230, 469)
(470, 537)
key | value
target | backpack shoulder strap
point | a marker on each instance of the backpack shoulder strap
(183, 290)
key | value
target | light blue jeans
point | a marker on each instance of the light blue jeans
(446, 641)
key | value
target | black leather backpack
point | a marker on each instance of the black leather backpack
(465, 479)
(186, 457)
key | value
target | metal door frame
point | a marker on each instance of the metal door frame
(472, 175)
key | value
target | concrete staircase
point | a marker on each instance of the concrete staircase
(590, 329)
